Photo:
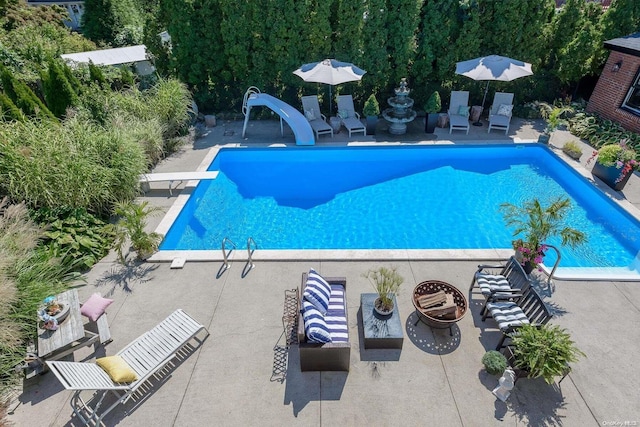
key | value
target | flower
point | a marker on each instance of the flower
(530, 252)
(619, 155)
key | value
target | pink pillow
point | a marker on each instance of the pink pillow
(95, 306)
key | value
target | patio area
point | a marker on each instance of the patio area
(238, 376)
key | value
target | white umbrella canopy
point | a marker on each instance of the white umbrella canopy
(331, 72)
(493, 67)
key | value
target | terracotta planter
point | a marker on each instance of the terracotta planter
(609, 175)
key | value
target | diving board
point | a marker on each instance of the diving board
(294, 118)
(146, 178)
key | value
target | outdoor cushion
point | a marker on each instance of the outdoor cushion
(309, 114)
(315, 326)
(336, 318)
(507, 314)
(505, 110)
(463, 110)
(95, 306)
(492, 282)
(118, 370)
(317, 291)
(343, 114)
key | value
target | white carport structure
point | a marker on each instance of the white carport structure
(136, 55)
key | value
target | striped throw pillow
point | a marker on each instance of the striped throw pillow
(314, 325)
(317, 291)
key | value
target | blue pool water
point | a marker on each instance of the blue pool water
(426, 197)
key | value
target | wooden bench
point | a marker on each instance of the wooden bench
(333, 356)
(512, 311)
(147, 178)
(101, 326)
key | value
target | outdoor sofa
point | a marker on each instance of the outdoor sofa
(315, 328)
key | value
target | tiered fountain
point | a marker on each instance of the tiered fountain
(401, 113)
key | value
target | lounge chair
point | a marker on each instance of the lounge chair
(500, 112)
(317, 120)
(504, 279)
(348, 116)
(459, 111)
(511, 312)
(146, 355)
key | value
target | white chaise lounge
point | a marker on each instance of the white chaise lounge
(146, 355)
(500, 113)
(317, 120)
(459, 111)
(348, 116)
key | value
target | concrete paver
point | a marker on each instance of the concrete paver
(435, 379)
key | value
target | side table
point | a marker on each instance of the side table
(335, 124)
(379, 331)
(70, 335)
(474, 116)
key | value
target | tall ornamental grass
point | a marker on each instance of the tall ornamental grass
(168, 100)
(77, 164)
(27, 276)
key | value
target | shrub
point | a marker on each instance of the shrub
(572, 149)
(58, 91)
(74, 235)
(494, 362)
(544, 351)
(434, 103)
(371, 106)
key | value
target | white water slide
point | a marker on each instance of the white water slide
(294, 118)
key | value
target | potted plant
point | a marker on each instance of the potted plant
(554, 116)
(494, 362)
(386, 282)
(371, 111)
(615, 164)
(130, 228)
(572, 149)
(543, 351)
(537, 223)
(432, 110)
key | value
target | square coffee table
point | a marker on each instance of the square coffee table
(380, 331)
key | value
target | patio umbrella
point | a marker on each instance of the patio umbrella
(331, 72)
(493, 67)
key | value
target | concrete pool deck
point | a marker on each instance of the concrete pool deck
(236, 378)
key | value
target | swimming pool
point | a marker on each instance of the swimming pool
(395, 197)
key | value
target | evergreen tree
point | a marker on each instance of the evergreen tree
(348, 32)
(58, 91)
(621, 19)
(8, 110)
(115, 22)
(376, 58)
(402, 20)
(96, 75)
(434, 57)
(23, 97)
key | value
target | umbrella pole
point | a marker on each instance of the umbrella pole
(484, 98)
(330, 102)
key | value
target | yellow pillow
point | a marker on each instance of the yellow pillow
(117, 368)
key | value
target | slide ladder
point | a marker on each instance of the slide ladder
(295, 119)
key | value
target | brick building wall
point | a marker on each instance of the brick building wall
(612, 88)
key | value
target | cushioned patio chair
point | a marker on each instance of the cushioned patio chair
(140, 360)
(500, 112)
(511, 312)
(507, 279)
(459, 111)
(317, 120)
(348, 116)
